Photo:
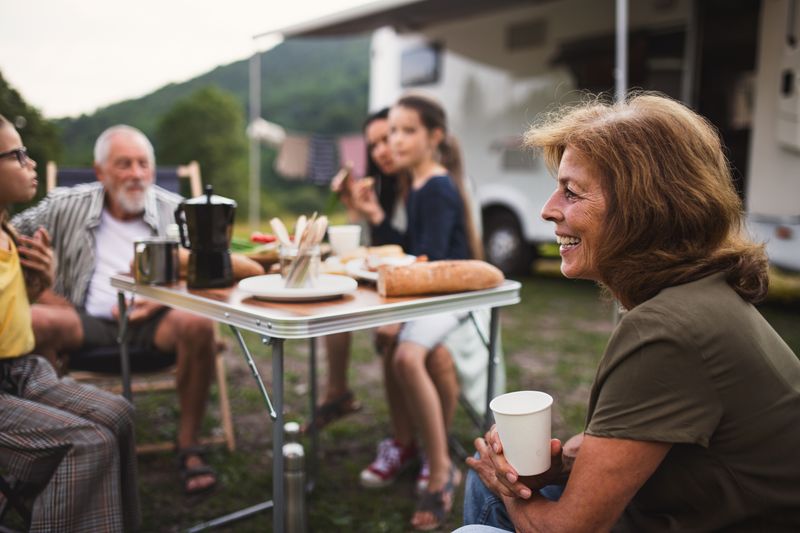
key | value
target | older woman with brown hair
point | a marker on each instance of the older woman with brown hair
(692, 417)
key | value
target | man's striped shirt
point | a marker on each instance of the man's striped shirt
(71, 216)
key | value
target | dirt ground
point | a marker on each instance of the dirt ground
(552, 342)
(534, 340)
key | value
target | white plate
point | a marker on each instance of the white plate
(270, 287)
(358, 267)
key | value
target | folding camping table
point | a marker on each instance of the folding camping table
(277, 322)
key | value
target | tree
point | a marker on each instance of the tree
(208, 127)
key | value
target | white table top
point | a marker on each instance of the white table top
(362, 309)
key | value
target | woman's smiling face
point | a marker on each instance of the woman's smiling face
(578, 209)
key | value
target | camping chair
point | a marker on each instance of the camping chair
(19, 496)
(12, 496)
(167, 177)
(157, 370)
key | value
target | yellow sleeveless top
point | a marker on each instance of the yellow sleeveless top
(16, 334)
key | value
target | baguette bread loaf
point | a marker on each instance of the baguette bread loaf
(437, 277)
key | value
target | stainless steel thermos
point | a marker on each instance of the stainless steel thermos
(294, 481)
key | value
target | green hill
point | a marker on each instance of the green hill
(308, 85)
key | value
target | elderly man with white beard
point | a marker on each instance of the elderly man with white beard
(93, 227)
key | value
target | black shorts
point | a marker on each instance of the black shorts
(99, 351)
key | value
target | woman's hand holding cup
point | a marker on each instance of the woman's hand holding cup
(501, 478)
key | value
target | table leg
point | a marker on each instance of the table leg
(251, 363)
(494, 361)
(278, 497)
(124, 358)
(277, 504)
(313, 457)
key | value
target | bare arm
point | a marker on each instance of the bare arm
(606, 475)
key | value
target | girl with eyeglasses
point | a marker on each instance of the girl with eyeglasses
(21, 154)
(72, 445)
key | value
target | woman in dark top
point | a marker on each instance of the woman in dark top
(381, 167)
(440, 226)
(339, 400)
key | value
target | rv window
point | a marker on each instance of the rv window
(420, 66)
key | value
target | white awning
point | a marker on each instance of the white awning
(403, 15)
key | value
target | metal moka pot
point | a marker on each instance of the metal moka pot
(205, 225)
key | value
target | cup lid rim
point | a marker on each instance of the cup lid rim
(494, 405)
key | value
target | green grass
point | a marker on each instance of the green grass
(552, 341)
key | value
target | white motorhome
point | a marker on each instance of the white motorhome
(497, 64)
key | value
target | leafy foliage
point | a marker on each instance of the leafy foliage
(315, 85)
(208, 127)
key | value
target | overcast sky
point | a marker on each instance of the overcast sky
(68, 57)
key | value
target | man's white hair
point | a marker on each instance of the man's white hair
(103, 144)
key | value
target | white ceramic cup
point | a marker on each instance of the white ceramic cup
(523, 423)
(344, 239)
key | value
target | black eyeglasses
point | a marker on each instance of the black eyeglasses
(20, 153)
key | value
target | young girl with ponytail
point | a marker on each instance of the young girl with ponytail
(439, 225)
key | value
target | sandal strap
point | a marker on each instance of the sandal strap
(194, 451)
(450, 485)
(197, 471)
(432, 502)
(333, 410)
(340, 406)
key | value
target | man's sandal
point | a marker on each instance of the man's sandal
(438, 503)
(189, 473)
(333, 410)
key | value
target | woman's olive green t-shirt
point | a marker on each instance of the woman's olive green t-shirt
(698, 367)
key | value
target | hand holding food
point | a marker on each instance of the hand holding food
(365, 201)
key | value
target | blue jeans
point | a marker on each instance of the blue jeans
(482, 508)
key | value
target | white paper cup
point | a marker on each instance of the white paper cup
(523, 423)
(344, 239)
